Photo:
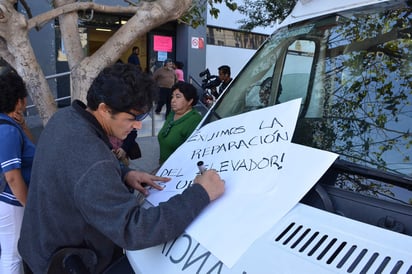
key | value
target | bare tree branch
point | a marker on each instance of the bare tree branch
(5, 53)
(26, 7)
(16, 49)
(149, 16)
(70, 34)
(131, 2)
(40, 20)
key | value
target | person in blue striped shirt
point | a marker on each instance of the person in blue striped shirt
(16, 157)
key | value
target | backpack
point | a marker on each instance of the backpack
(3, 181)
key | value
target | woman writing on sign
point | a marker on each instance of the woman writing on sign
(16, 156)
(181, 121)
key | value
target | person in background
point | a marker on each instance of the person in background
(16, 157)
(224, 76)
(181, 121)
(179, 71)
(80, 197)
(134, 57)
(165, 78)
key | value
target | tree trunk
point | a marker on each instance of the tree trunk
(14, 31)
(70, 34)
(71, 40)
(148, 16)
(15, 45)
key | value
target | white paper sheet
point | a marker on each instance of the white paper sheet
(228, 227)
(265, 174)
(232, 146)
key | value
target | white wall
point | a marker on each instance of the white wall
(236, 58)
(228, 19)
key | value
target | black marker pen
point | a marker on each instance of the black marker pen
(201, 167)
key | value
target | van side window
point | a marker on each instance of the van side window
(297, 67)
(253, 90)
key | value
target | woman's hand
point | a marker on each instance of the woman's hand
(18, 116)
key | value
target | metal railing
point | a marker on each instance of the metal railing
(53, 76)
(200, 106)
(57, 75)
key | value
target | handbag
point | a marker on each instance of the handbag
(134, 152)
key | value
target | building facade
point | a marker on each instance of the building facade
(204, 47)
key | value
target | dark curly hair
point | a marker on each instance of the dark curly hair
(188, 91)
(12, 88)
(123, 88)
(225, 69)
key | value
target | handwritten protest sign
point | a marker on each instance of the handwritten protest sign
(244, 145)
(265, 174)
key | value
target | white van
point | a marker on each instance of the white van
(351, 63)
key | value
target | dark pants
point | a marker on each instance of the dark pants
(165, 95)
(122, 265)
(26, 268)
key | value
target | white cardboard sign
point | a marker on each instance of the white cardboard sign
(265, 174)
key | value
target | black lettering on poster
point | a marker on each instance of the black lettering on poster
(191, 258)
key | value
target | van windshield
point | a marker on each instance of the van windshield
(353, 72)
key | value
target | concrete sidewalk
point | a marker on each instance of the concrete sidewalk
(150, 155)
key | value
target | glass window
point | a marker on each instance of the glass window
(353, 71)
(294, 82)
(234, 38)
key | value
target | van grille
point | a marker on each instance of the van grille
(341, 255)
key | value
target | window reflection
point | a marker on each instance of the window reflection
(234, 38)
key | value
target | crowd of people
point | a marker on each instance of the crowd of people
(74, 188)
(178, 97)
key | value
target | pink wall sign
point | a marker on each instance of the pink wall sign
(162, 43)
